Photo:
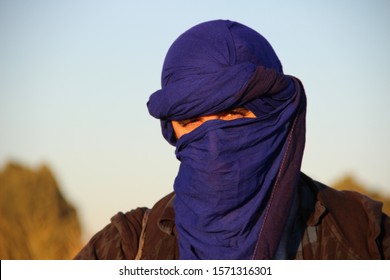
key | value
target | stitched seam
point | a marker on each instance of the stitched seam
(276, 186)
(142, 236)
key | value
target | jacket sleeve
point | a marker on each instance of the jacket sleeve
(118, 240)
(385, 240)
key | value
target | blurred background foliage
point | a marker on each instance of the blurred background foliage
(36, 220)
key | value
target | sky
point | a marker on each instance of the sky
(75, 77)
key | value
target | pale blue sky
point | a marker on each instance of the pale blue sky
(75, 77)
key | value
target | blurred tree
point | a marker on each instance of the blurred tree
(36, 222)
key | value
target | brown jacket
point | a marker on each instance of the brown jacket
(330, 225)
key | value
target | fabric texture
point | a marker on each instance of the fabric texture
(331, 225)
(236, 179)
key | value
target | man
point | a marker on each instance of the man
(238, 124)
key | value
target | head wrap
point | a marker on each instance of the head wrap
(237, 179)
(214, 61)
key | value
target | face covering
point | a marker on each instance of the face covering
(237, 179)
(229, 175)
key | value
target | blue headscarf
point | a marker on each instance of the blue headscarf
(237, 179)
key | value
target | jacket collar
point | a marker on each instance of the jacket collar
(166, 222)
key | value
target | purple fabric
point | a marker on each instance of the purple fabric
(237, 178)
(213, 61)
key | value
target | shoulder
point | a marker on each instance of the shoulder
(360, 219)
(345, 205)
(120, 239)
(117, 240)
(352, 210)
(342, 205)
(349, 223)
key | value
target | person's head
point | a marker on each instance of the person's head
(238, 124)
(204, 71)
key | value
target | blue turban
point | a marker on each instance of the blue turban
(237, 179)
